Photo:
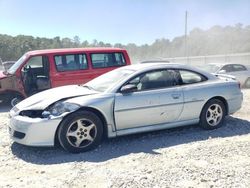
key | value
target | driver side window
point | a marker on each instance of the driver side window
(34, 62)
(155, 80)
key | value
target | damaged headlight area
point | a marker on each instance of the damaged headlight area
(32, 113)
(55, 110)
(59, 108)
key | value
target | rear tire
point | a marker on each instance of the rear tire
(80, 131)
(212, 114)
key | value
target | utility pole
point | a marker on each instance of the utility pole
(186, 50)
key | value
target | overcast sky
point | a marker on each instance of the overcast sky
(118, 21)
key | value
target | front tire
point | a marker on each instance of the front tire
(80, 132)
(212, 114)
(14, 101)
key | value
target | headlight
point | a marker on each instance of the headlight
(60, 107)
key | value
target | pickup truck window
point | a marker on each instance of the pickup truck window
(102, 60)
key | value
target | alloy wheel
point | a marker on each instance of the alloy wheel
(214, 114)
(81, 133)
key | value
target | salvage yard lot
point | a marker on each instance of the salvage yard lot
(180, 157)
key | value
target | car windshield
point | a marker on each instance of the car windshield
(16, 65)
(108, 80)
(211, 68)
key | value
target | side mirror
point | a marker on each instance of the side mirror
(222, 72)
(128, 88)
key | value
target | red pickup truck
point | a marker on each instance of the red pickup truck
(39, 70)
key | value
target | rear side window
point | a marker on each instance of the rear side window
(239, 68)
(71, 62)
(189, 77)
(102, 60)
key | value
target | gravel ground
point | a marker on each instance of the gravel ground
(181, 157)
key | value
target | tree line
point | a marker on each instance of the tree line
(216, 40)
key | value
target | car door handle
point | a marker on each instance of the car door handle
(176, 96)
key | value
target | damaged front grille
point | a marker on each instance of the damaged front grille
(32, 113)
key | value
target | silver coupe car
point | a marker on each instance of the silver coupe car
(131, 99)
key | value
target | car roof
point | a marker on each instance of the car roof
(159, 65)
(222, 64)
(74, 50)
(149, 66)
(216, 64)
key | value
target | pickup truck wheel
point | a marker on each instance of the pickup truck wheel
(247, 83)
(14, 101)
(80, 132)
(213, 114)
(4, 99)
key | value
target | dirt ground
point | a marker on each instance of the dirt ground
(181, 157)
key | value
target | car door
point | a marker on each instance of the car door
(35, 74)
(156, 100)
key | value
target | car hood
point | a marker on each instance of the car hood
(43, 99)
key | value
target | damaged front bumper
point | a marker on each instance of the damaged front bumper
(33, 131)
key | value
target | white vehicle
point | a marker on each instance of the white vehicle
(240, 72)
(131, 99)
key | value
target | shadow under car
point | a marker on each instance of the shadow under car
(137, 143)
